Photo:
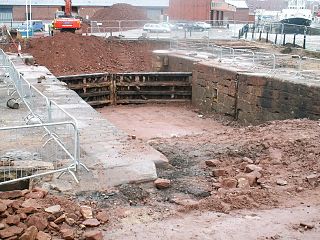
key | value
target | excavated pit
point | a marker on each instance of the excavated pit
(285, 150)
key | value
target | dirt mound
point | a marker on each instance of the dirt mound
(27, 214)
(273, 159)
(68, 53)
(120, 12)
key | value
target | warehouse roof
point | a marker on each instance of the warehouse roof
(238, 4)
(142, 3)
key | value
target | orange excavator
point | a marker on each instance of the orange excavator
(64, 21)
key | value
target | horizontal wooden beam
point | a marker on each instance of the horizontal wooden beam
(89, 85)
(154, 93)
(155, 84)
(97, 103)
(141, 101)
(94, 94)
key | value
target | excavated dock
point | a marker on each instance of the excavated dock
(112, 156)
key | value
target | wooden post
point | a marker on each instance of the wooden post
(284, 39)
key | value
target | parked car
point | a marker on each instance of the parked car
(203, 25)
(156, 28)
(180, 26)
(167, 25)
(34, 25)
(198, 26)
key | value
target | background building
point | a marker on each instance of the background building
(45, 9)
(208, 10)
(271, 5)
(242, 12)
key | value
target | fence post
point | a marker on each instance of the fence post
(294, 40)
(276, 39)
(305, 37)
(253, 29)
(260, 35)
(284, 39)
(267, 39)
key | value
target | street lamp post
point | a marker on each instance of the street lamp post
(27, 18)
(27, 15)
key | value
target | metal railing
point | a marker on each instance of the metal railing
(282, 34)
(249, 60)
(51, 133)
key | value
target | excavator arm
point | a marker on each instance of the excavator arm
(68, 7)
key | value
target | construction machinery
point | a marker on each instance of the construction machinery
(64, 21)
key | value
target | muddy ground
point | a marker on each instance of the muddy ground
(281, 203)
(287, 152)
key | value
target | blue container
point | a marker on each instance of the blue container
(24, 33)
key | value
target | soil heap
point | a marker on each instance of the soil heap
(67, 53)
(120, 12)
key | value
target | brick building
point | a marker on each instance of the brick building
(242, 12)
(208, 10)
(14, 10)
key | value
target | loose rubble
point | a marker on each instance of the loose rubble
(29, 215)
(162, 183)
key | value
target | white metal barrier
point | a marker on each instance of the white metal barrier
(51, 134)
(249, 60)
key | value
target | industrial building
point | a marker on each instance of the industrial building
(209, 10)
(14, 10)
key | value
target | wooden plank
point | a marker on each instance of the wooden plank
(141, 101)
(94, 94)
(157, 74)
(101, 102)
(154, 93)
(155, 84)
(89, 85)
(81, 76)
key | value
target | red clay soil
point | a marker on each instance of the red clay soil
(24, 214)
(67, 53)
(120, 12)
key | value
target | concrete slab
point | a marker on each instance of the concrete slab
(112, 157)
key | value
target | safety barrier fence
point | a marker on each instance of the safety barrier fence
(283, 34)
(47, 144)
(278, 33)
(249, 60)
(135, 29)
